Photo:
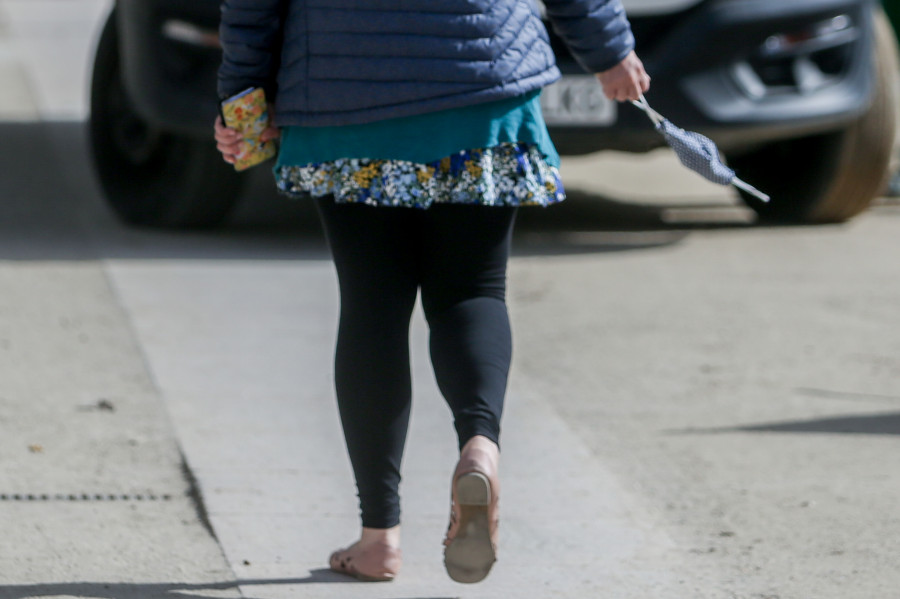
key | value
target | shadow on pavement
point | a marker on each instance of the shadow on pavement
(211, 590)
(846, 395)
(864, 424)
(51, 209)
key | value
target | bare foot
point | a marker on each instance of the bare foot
(471, 541)
(482, 451)
(374, 557)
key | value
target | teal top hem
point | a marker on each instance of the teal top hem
(423, 138)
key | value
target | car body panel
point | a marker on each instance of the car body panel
(700, 54)
(702, 90)
(656, 7)
(892, 10)
(171, 82)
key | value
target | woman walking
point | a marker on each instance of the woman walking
(417, 127)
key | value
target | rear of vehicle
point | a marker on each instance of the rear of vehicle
(799, 95)
(152, 108)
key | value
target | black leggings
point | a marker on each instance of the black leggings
(457, 256)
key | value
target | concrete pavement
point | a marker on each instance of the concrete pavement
(146, 369)
(265, 443)
(93, 488)
(45, 48)
(148, 463)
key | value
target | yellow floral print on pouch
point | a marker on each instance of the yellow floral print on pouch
(248, 113)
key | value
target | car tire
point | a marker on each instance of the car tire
(151, 177)
(832, 177)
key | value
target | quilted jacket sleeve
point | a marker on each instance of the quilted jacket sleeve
(596, 31)
(251, 33)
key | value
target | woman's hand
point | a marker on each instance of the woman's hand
(625, 81)
(228, 140)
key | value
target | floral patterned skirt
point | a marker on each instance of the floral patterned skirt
(509, 174)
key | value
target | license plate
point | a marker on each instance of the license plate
(577, 100)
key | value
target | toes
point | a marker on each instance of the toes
(338, 560)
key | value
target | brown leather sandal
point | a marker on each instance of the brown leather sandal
(376, 563)
(470, 548)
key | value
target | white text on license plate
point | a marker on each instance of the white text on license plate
(577, 100)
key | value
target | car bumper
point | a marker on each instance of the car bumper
(746, 72)
(736, 94)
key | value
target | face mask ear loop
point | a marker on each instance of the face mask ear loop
(763, 197)
(651, 114)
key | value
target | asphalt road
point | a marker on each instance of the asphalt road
(714, 405)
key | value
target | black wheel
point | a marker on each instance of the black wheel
(151, 177)
(832, 177)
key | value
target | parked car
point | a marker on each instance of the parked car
(800, 97)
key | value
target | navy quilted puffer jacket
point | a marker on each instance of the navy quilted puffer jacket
(341, 62)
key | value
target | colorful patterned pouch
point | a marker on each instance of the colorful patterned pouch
(248, 113)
